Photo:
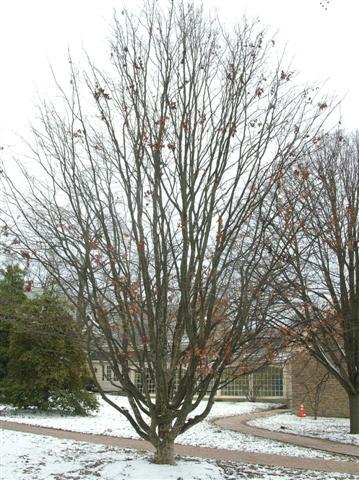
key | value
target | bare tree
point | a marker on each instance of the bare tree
(311, 381)
(318, 210)
(315, 393)
(147, 207)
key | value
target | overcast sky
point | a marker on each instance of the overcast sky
(34, 33)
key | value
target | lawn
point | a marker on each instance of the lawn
(26, 456)
(206, 434)
(335, 429)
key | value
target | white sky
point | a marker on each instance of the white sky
(34, 33)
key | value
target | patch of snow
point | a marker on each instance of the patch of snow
(109, 421)
(335, 429)
(25, 456)
(207, 434)
(142, 469)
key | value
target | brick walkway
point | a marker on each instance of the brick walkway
(202, 452)
(240, 424)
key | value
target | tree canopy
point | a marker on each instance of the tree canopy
(148, 212)
(317, 226)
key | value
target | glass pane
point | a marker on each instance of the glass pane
(149, 381)
(268, 382)
(238, 387)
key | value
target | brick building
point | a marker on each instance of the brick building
(311, 384)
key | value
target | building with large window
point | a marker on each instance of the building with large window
(270, 383)
(298, 380)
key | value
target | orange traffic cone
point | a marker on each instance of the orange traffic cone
(301, 412)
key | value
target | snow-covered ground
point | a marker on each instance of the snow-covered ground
(335, 429)
(108, 421)
(25, 456)
(206, 434)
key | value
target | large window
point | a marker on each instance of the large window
(267, 382)
(180, 373)
(108, 374)
(238, 387)
(139, 382)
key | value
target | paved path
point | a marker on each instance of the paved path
(240, 424)
(202, 452)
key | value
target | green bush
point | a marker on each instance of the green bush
(47, 366)
(11, 296)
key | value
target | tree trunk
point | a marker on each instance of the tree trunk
(165, 452)
(354, 413)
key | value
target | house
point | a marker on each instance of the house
(291, 381)
(269, 383)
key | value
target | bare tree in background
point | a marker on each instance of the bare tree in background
(318, 203)
(316, 392)
(146, 209)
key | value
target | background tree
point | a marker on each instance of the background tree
(47, 366)
(315, 393)
(11, 297)
(317, 220)
(148, 207)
